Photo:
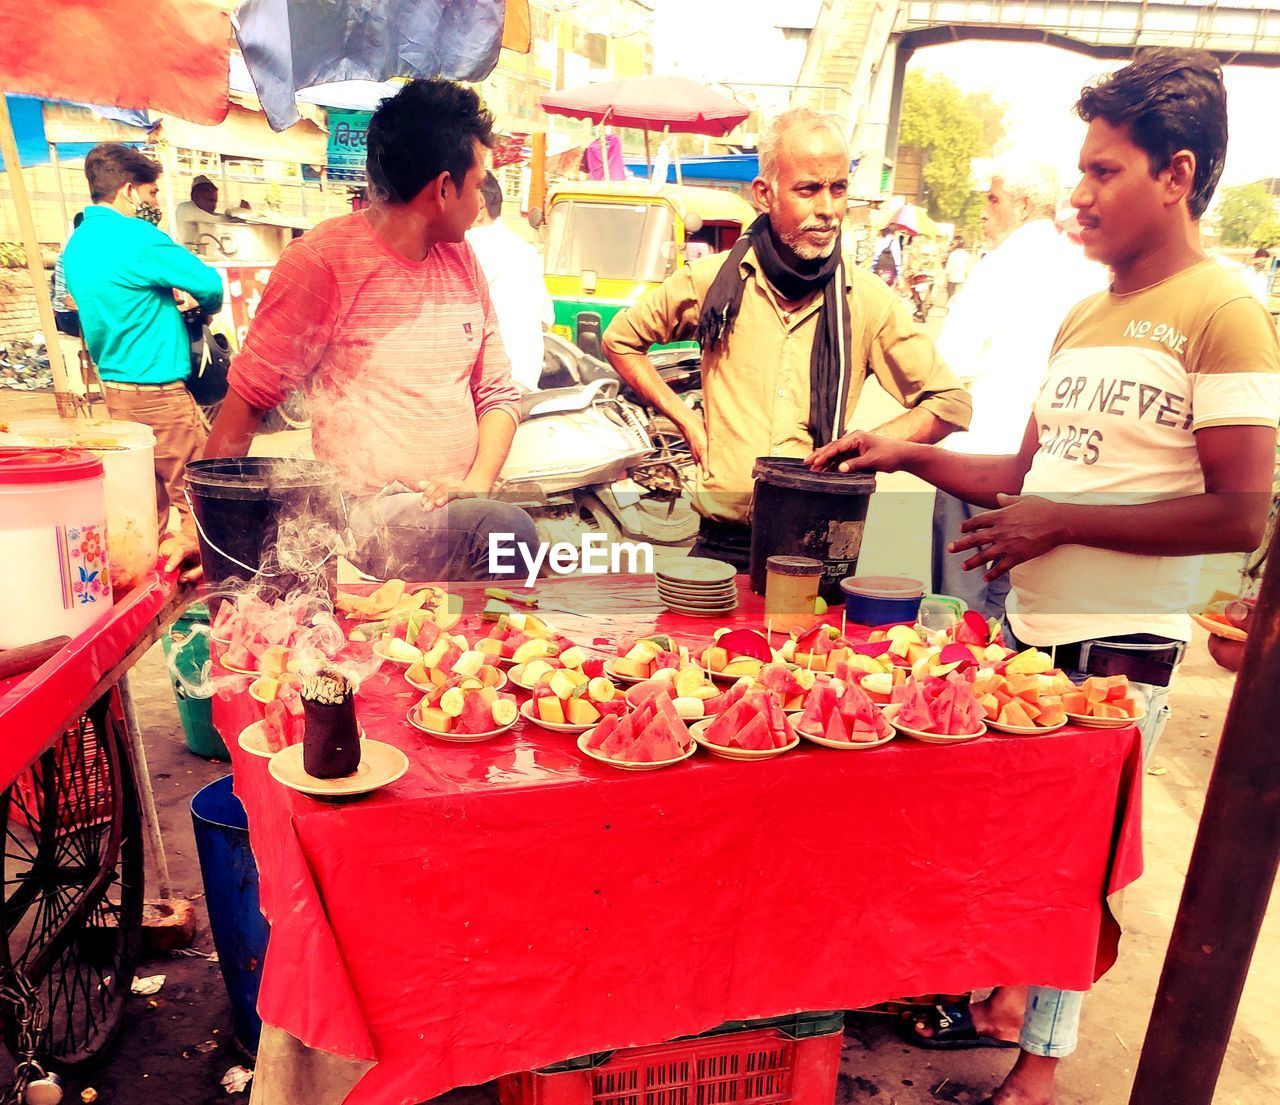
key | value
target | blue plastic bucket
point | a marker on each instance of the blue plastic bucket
(231, 893)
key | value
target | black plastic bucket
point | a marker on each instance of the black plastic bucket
(241, 506)
(799, 512)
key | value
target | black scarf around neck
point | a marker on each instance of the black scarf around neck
(831, 357)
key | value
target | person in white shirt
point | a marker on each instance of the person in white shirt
(959, 264)
(520, 297)
(201, 207)
(997, 338)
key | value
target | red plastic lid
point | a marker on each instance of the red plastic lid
(57, 465)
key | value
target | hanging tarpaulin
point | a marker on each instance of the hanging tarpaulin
(290, 44)
(74, 128)
(347, 135)
(73, 51)
(88, 124)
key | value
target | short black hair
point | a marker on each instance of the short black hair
(427, 128)
(110, 166)
(1171, 100)
(200, 185)
(492, 192)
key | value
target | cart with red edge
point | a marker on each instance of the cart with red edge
(74, 813)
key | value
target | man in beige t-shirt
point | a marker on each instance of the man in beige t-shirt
(1152, 442)
(789, 333)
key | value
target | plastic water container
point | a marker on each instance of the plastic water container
(881, 600)
(53, 519)
(230, 874)
(186, 651)
(127, 452)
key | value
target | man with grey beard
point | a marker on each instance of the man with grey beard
(789, 330)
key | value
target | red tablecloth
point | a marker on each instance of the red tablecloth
(510, 904)
(33, 707)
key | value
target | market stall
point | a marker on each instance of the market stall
(510, 904)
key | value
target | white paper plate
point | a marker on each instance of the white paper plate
(694, 569)
(618, 677)
(891, 712)
(380, 764)
(846, 746)
(457, 738)
(699, 729)
(427, 688)
(1104, 722)
(1023, 730)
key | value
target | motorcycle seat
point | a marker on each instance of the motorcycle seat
(563, 400)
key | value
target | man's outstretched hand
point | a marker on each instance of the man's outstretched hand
(859, 451)
(1022, 528)
(180, 551)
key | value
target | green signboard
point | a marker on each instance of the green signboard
(347, 137)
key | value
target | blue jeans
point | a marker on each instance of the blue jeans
(1051, 1025)
(949, 577)
(396, 537)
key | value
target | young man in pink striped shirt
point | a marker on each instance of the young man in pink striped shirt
(384, 317)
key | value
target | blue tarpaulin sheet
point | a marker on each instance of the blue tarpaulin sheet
(292, 44)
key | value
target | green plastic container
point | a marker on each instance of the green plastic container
(186, 648)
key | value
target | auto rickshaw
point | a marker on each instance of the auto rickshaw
(610, 242)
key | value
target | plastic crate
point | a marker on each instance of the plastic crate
(730, 1066)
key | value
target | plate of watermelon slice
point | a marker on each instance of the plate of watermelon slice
(652, 736)
(753, 728)
(838, 713)
(891, 715)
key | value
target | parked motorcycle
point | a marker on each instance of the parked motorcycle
(588, 456)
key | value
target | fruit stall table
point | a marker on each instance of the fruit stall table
(510, 904)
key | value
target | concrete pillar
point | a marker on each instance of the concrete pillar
(876, 119)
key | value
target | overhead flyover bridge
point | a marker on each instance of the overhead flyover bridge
(863, 46)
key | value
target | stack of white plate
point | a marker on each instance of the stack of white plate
(698, 586)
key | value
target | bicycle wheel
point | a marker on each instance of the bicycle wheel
(73, 886)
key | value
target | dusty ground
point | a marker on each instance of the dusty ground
(157, 1057)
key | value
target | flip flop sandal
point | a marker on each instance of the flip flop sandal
(952, 1028)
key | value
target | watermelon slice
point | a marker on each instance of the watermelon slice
(813, 719)
(747, 642)
(779, 730)
(275, 726)
(872, 648)
(914, 711)
(755, 737)
(427, 636)
(972, 630)
(836, 729)
(607, 727)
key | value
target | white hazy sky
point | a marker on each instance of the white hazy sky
(1038, 83)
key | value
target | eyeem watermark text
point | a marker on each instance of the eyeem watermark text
(595, 555)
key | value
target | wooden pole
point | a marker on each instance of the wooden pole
(68, 404)
(538, 171)
(648, 161)
(57, 179)
(1228, 885)
(169, 165)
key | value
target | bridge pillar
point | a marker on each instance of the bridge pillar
(875, 122)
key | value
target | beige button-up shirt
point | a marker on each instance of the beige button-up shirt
(756, 386)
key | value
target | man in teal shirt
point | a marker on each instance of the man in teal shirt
(122, 271)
